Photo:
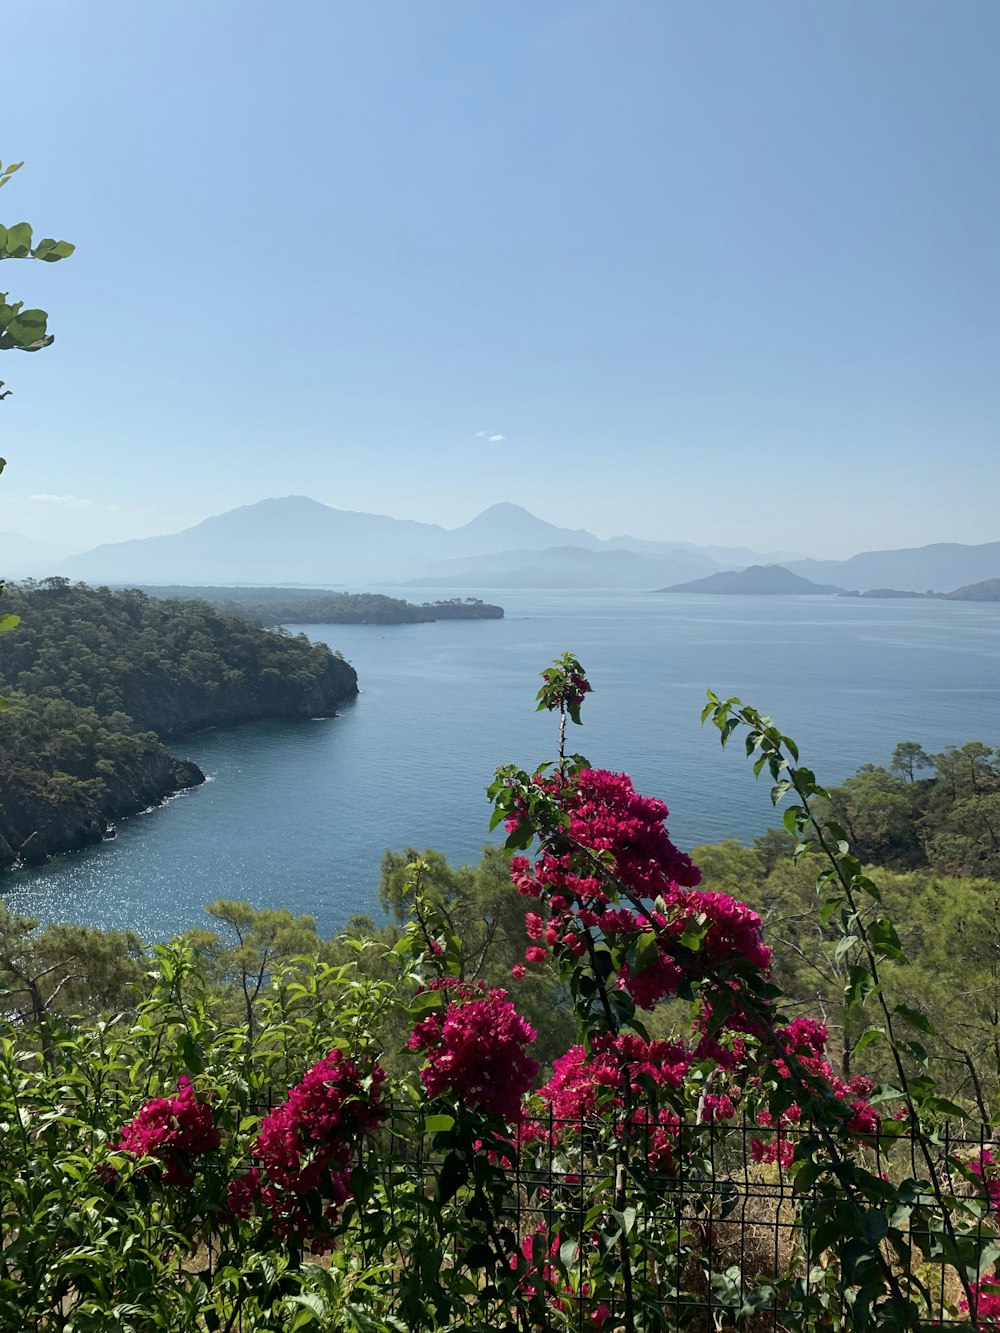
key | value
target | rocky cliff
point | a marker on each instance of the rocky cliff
(97, 680)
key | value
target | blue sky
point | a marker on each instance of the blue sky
(718, 272)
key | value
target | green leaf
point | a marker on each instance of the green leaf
(190, 1054)
(309, 1301)
(17, 241)
(794, 819)
(694, 933)
(8, 623)
(915, 1017)
(26, 331)
(647, 950)
(569, 1251)
(882, 934)
(828, 909)
(859, 987)
(454, 1174)
(50, 250)
(867, 1037)
(845, 946)
(439, 1124)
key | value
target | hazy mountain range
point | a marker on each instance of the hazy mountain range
(296, 540)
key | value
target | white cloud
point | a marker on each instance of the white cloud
(67, 501)
(494, 439)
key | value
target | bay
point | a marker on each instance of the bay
(298, 815)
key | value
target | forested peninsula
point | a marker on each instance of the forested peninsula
(96, 681)
(317, 606)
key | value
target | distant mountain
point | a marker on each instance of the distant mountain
(562, 567)
(728, 557)
(507, 526)
(758, 580)
(986, 591)
(296, 540)
(17, 552)
(935, 568)
(274, 541)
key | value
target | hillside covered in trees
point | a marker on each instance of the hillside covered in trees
(96, 680)
(937, 812)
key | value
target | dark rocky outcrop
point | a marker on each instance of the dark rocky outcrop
(43, 815)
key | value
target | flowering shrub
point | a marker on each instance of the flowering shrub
(475, 1049)
(175, 1130)
(305, 1149)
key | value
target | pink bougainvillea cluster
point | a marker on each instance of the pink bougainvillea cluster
(306, 1147)
(582, 1085)
(475, 1047)
(985, 1171)
(615, 846)
(805, 1040)
(175, 1130)
(535, 1265)
(985, 1304)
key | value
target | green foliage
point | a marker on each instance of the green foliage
(847, 1202)
(21, 329)
(947, 822)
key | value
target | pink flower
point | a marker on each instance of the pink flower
(475, 1048)
(175, 1130)
(985, 1304)
(518, 971)
(306, 1147)
(776, 1150)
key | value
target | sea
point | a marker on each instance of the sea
(298, 815)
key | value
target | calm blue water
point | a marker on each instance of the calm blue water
(298, 815)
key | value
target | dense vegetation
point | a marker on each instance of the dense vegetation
(97, 679)
(947, 821)
(309, 606)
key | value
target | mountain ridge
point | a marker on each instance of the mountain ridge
(296, 539)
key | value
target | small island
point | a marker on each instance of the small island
(757, 580)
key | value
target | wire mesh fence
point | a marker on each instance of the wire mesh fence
(707, 1219)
